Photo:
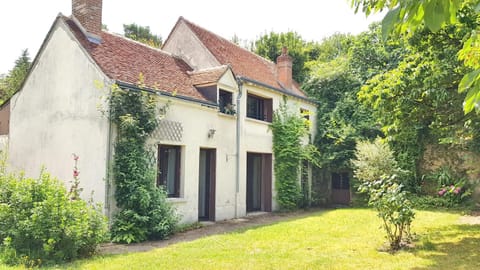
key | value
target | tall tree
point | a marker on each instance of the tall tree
(270, 46)
(335, 81)
(12, 82)
(410, 15)
(142, 34)
(370, 55)
(417, 102)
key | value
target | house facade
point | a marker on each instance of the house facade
(212, 149)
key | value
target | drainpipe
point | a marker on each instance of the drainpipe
(237, 176)
(108, 182)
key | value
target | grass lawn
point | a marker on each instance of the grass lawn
(330, 239)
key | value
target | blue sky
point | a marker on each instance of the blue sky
(25, 23)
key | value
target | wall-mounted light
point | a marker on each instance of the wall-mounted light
(211, 132)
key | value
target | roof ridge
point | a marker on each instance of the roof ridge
(159, 50)
(181, 18)
(139, 43)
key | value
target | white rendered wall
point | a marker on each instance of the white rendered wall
(184, 43)
(196, 121)
(55, 114)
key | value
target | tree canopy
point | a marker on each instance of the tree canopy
(344, 62)
(270, 45)
(142, 34)
(12, 82)
(406, 15)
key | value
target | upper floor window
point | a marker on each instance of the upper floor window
(259, 108)
(168, 172)
(305, 114)
(306, 117)
(225, 102)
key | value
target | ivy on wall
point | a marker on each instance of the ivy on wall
(144, 211)
(288, 131)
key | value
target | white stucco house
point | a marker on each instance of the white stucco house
(214, 146)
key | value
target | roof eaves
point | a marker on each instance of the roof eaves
(245, 79)
(166, 94)
(6, 102)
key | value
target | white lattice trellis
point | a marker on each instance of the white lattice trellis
(168, 131)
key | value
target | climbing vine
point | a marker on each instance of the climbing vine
(288, 131)
(144, 211)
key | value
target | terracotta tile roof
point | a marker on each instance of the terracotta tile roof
(123, 60)
(243, 62)
(207, 76)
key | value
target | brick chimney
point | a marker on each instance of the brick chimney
(284, 69)
(89, 14)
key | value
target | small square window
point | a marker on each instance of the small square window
(305, 114)
(340, 181)
(225, 102)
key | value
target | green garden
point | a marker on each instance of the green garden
(397, 111)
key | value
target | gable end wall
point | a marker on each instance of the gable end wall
(56, 114)
(185, 44)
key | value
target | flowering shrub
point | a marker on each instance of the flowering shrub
(454, 194)
(446, 187)
(75, 189)
(40, 223)
(393, 206)
(376, 170)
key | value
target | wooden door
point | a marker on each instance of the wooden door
(340, 188)
(206, 184)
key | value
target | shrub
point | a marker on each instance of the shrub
(454, 193)
(448, 186)
(40, 224)
(288, 131)
(393, 207)
(155, 220)
(144, 212)
(373, 160)
(376, 168)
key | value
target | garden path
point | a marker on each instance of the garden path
(473, 218)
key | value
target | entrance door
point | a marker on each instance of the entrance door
(259, 182)
(206, 185)
(340, 188)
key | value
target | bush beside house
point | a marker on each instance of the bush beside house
(41, 223)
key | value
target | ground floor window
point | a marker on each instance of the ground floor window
(340, 181)
(168, 171)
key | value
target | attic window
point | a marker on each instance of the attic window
(259, 108)
(225, 102)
